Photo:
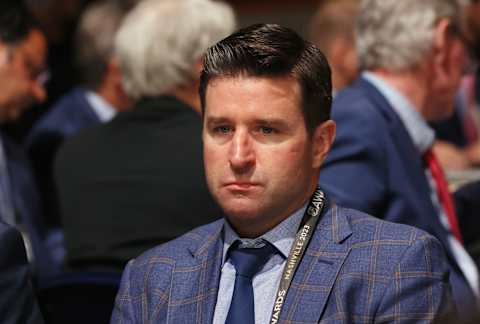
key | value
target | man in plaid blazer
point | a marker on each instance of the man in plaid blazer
(266, 96)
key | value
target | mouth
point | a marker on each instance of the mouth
(240, 185)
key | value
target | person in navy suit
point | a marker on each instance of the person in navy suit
(22, 64)
(381, 162)
(283, 252)
(97, 100)
(460, 133)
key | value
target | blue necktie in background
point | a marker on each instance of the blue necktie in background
(247, 262)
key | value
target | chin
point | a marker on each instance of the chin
(241, 208)
(443, 111)
(245, 222)
(241, 212)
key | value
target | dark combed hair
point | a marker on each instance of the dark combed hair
(16, 22)
(270, 50)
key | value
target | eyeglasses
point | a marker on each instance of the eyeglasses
(34, 73)
(43, 77)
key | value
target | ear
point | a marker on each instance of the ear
(441, 33)
(113, 82)
(199, 65)
(322, 142)
(113, 70)
(195, 72)
(441, 49)
(115, 76)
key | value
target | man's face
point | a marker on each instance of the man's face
(472, 28)
(261, 164)
(448, 72)
(21, 66)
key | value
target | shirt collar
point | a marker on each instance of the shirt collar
(420, 133)
(281, 236)
(104, 111)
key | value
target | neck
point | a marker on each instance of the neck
(412, 84)
(114, 96)
(188, 95)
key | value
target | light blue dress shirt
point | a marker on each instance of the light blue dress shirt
(265, 283)
(104, 111)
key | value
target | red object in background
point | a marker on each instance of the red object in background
(444, 195)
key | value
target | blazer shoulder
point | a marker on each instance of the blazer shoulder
(65, 117)
(184, 247)
(393, 270)
(155, 266)
(395, 249)
(367, 228)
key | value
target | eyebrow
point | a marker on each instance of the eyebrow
(216, 120)
(213, 120)
(272, 121)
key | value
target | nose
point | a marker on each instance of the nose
(241, 153)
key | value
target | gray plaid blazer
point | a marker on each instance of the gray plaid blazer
(356, 269)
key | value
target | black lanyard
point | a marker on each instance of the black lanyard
(304, 234)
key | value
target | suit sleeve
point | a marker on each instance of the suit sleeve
(123, 312)
(17, 300)
(355, 171)
(419, 291)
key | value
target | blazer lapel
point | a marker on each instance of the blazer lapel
(209, 257)
(313, 282)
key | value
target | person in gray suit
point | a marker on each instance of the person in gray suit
(283, 253)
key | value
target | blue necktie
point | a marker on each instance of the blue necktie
(247, 262)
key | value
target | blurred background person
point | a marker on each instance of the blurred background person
(138, 180)
(22, 62)
(460, 136)
(413, 58)
(57, 19)
(332, 29)
(458, 145)
(97, 99)
(472, 26)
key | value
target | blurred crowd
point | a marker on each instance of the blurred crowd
(100, 146)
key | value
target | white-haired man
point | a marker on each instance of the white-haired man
(382, 162)
(143, 170)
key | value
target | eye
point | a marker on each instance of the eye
(266, 130)
(223, 129)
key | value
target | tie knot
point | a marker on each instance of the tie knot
(249, 261)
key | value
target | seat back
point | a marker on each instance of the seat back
(79, 297)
